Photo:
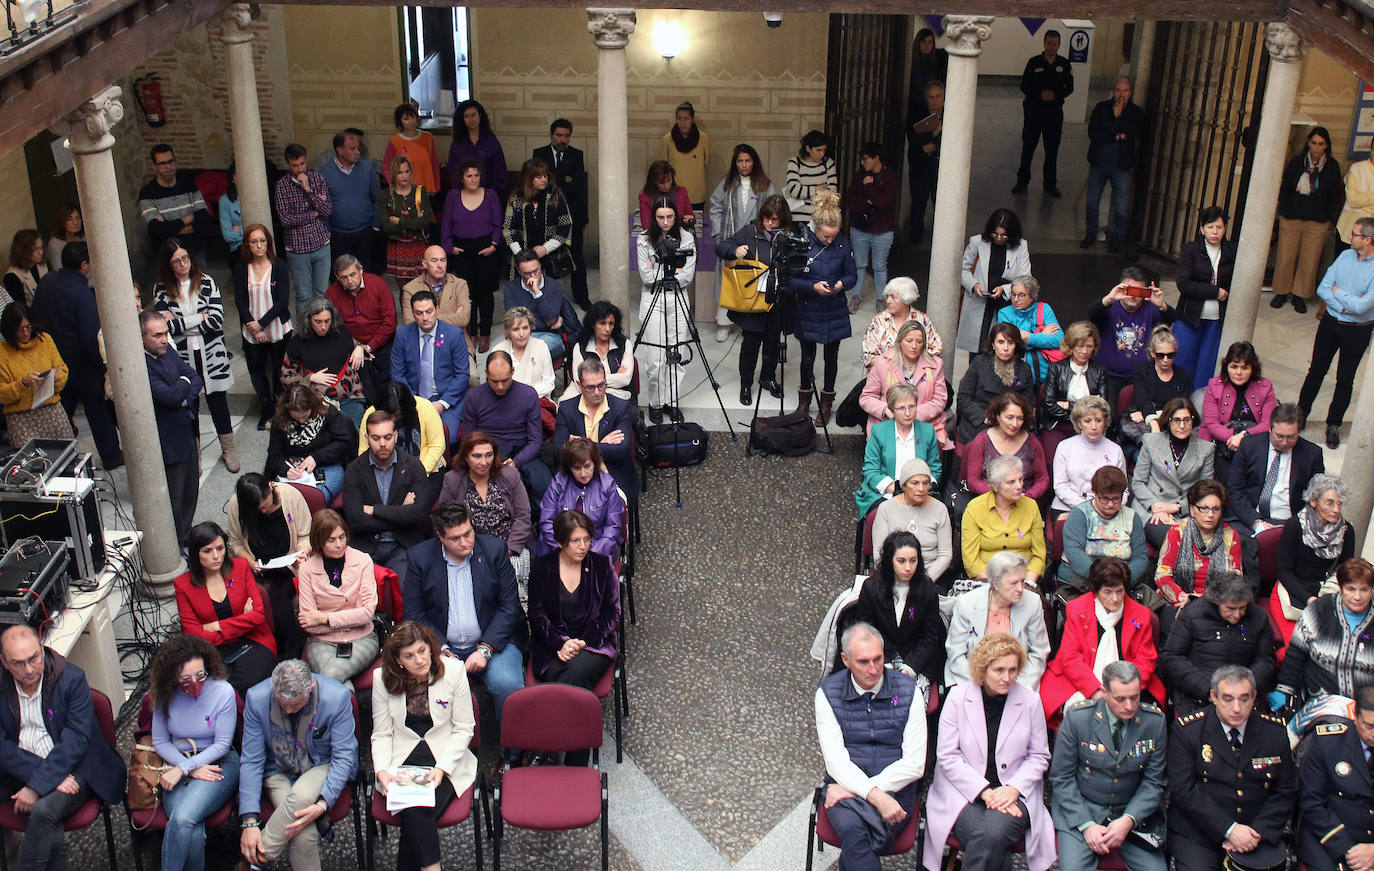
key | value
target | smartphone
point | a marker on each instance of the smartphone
(344, 650)
(1141, 292)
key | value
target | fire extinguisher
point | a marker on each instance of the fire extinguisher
(148, 93)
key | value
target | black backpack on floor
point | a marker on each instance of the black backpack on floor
(669, 445)
(791, 435)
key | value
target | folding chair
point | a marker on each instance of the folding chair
(314, 499)
(821, 833)
(390, 606)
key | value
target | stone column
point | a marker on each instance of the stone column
(1142, 61)
(951, 195)
(87, 129)
(1357, 468)
(1286, 52)
(611, 29)
(236, 32)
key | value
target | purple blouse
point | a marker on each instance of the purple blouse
(459, 223)
(209, 721)
(487, 151)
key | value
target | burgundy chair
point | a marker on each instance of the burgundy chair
(12, 820)
(955, 848)
(552, 718)
(314, 499)
(1268, 543)
(389, 604)
(1124, 400)
(821, 832)
(863, 540)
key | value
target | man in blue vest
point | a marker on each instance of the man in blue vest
(871, 724)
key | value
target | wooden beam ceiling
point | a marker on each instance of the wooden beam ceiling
(1339, 30)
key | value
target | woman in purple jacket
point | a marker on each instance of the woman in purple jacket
(582, 485)
(474, 140)
(471, 237)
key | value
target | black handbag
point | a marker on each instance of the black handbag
(671, 445)
(849, 412)
(791, 435)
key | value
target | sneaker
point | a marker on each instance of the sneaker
(1279, 299)
(1333, 436)
(855, 303)
(1299, 305)
(1088, 241)
(722, 333)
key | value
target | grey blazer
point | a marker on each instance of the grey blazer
(968, 624)
(1157, 479)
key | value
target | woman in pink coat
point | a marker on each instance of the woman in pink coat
(1237, 402)
(988, 804)
(908, 363)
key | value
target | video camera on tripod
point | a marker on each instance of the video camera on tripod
(670, 257)
(789, 253)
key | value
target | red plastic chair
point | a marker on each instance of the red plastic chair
(1268, 543)
(1112, 862)
(12, 820)
(314, 499)
(1124, 400)
(388, 603)
(552, 718)
(457, 811)
(821, 832)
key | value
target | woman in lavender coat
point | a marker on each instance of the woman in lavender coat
(581, 485)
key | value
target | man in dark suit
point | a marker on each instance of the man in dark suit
(52, 753)
(569, 170)
(431, 358)
(610, 419)
(386, 496)
(1270, 472)
(462, 586)
(176, 391)
(1337, 792)
(1232, 782)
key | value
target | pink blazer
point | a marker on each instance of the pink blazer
(1220, 399)
(930, 389)
(962, 756)
(350, 605)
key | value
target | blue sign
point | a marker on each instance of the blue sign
(1078, 46)
(1032, 24)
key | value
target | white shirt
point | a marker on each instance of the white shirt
(893, 778)
(1211, 309)
(1279, 507)
(906, 450)
(33, 732)
(899, 593)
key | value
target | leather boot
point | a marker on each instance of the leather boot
(825, 402)
(231, 456)
(804, 395)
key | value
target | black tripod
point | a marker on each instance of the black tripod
(774, 320)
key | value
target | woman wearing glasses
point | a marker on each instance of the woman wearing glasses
(262, 295)
(1158, 381)
(1196, 550)
(1169, 463)
(991, 261)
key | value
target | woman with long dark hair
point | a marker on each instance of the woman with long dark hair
(901, 601)
(1311, 196)
(473, 139)
(310, 441)
(1001, 368)
(538, 218)
(662, 181)
(267, 520)
(67, 227)
(809, 172)
(662, 320)
(603, 334)
(27, 266)
(471, 236)
(419, 430)
(735, 205)
(760, 330)
(1205, 267)
(27, 355)
(991, 260)
(494, 495)
(1237, 402)
(262, 295)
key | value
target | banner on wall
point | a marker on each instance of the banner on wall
(937, 23)
(1362, 125)
(1032, 24)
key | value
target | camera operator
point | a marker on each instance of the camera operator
(754, 241)
(822, 311)
(666, 253)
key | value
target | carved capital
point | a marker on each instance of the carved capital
(611, 28)
(1285, 44)
(236, 23)
(88, 126)
(968, 33)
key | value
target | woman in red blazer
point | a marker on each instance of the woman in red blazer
(1106, 617)
(225, 608)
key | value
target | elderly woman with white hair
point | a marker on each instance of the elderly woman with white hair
(900, 296)
(914, 510)
(909, 362)
(1312, 544)
(1001, 605)
(1003, 520)
(1077, 459)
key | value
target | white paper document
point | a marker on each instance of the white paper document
(411, 788)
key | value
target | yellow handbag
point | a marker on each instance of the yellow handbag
(741, 286)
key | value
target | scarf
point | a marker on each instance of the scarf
(1185, 566)
(1078, 383)
(1325, 539)
(685, 144)
(303, 435)
(1310, 178)
(291, 747)
(1005, 370)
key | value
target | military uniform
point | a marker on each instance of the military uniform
(1043, 118)
(1337, 797)
(1093, 781)
(1212, 786)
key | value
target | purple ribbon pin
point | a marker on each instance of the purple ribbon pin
(442, 703)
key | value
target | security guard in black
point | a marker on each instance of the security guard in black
(1337, 793)
(1047, 81)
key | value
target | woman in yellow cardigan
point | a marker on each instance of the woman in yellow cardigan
(419, 430)
(1003, 520)
(27, 355)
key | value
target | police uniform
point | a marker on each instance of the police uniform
(1042, 117)
(1093, 781)
(1337, 797)
(1212, 786)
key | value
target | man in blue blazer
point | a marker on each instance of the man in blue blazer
(52, 753)
(611, 418)
(300, 744)
(462, 586)
(430, 357)
(1255, 504)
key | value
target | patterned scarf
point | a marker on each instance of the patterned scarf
(291, 747)
(1325, 539)
(1185, 565)
(302, 435)
(1310, 178)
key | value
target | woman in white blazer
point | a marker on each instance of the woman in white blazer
(1000, 242)
(421, 716)
(1002, 605)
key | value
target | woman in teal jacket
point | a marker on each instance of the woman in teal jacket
(1038, 325)
(881, 458)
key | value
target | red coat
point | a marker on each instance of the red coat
(196, 609)
(1071, 670)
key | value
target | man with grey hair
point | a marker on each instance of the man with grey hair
(1224, 627)
(602, 418)
(1270, 472)
(1108, 776)
(871, 724)
(1232, 782)
(1116, 133)
(1005, 595)
(368, 311)
(300, 745)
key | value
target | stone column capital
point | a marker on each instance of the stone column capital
(611, 28)
(1285, 44)
(236, 23)
(968, 33)
(87, 127)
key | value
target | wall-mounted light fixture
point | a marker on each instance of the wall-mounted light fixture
(669, 39)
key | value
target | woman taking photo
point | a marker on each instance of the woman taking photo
(998, 370)
(533, 365)
(734, 207)
(404, 214)
(194, 719)
(1196, 550)
(662, 182)
(899, 297)
(1238, 402)
(1075, 377)
(537, 217)
(262, 296)
(310, 441)
(1169, 463)
(419, 430)
(28, 264)
(422, 715)
(267, 521)
(915, 511)
(687, 149)
(218, 600)
(1003, 519)
(881, 454)
(338, 593)
(661, 320)
(1312, 544)
(603, 335)
(1311, 195)
(1077, 460)
(494, 495)
(322, 355)
(415, 145)
(901, 602)
(763, 329)
(28, 356)
(1158, 381)
(992, 735)
(870, 202)
(1100, 527)
(66, 228)
(822, 316)
(581, 484)
(1330, 651)
(195, 318)
(810, 172)
(991, 260)
(909, 363)
(1205, 266)
(473, 140)
(1010, 419)
(471, 235)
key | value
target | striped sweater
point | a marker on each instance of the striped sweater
(802, 180)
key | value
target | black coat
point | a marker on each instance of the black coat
(1104, 126)
(571, 178)
(335, 445)
(1151, 394)
(1057, 380)
(1195, 285)
(1201, 641)
(980, 385)
(1336, 797)
(176, 392)
(405, 522)
(919, 638)
(1301, 571)
(281, 293)
(1249, 467)
(1325, 201)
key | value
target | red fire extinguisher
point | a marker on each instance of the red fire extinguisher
(148, 93)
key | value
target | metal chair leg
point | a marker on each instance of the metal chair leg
(605, 826)
(615, 694)
(109, 837)
(476, 828)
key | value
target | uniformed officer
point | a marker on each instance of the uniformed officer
(1337, 793)
(1047, 81)
(1107, 776)
(1232, 782)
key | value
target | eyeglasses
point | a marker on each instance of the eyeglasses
(1020, 295)
(198, 677)
(1165, 355)
(1109, 500)
(171, 161)
(1188, 420)
(580, 540)
(182, 259)
(595, 388)
(531, 273)
(1207, 509)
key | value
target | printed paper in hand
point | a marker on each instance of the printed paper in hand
(411, 788)
(281, 562)
(43, 392)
